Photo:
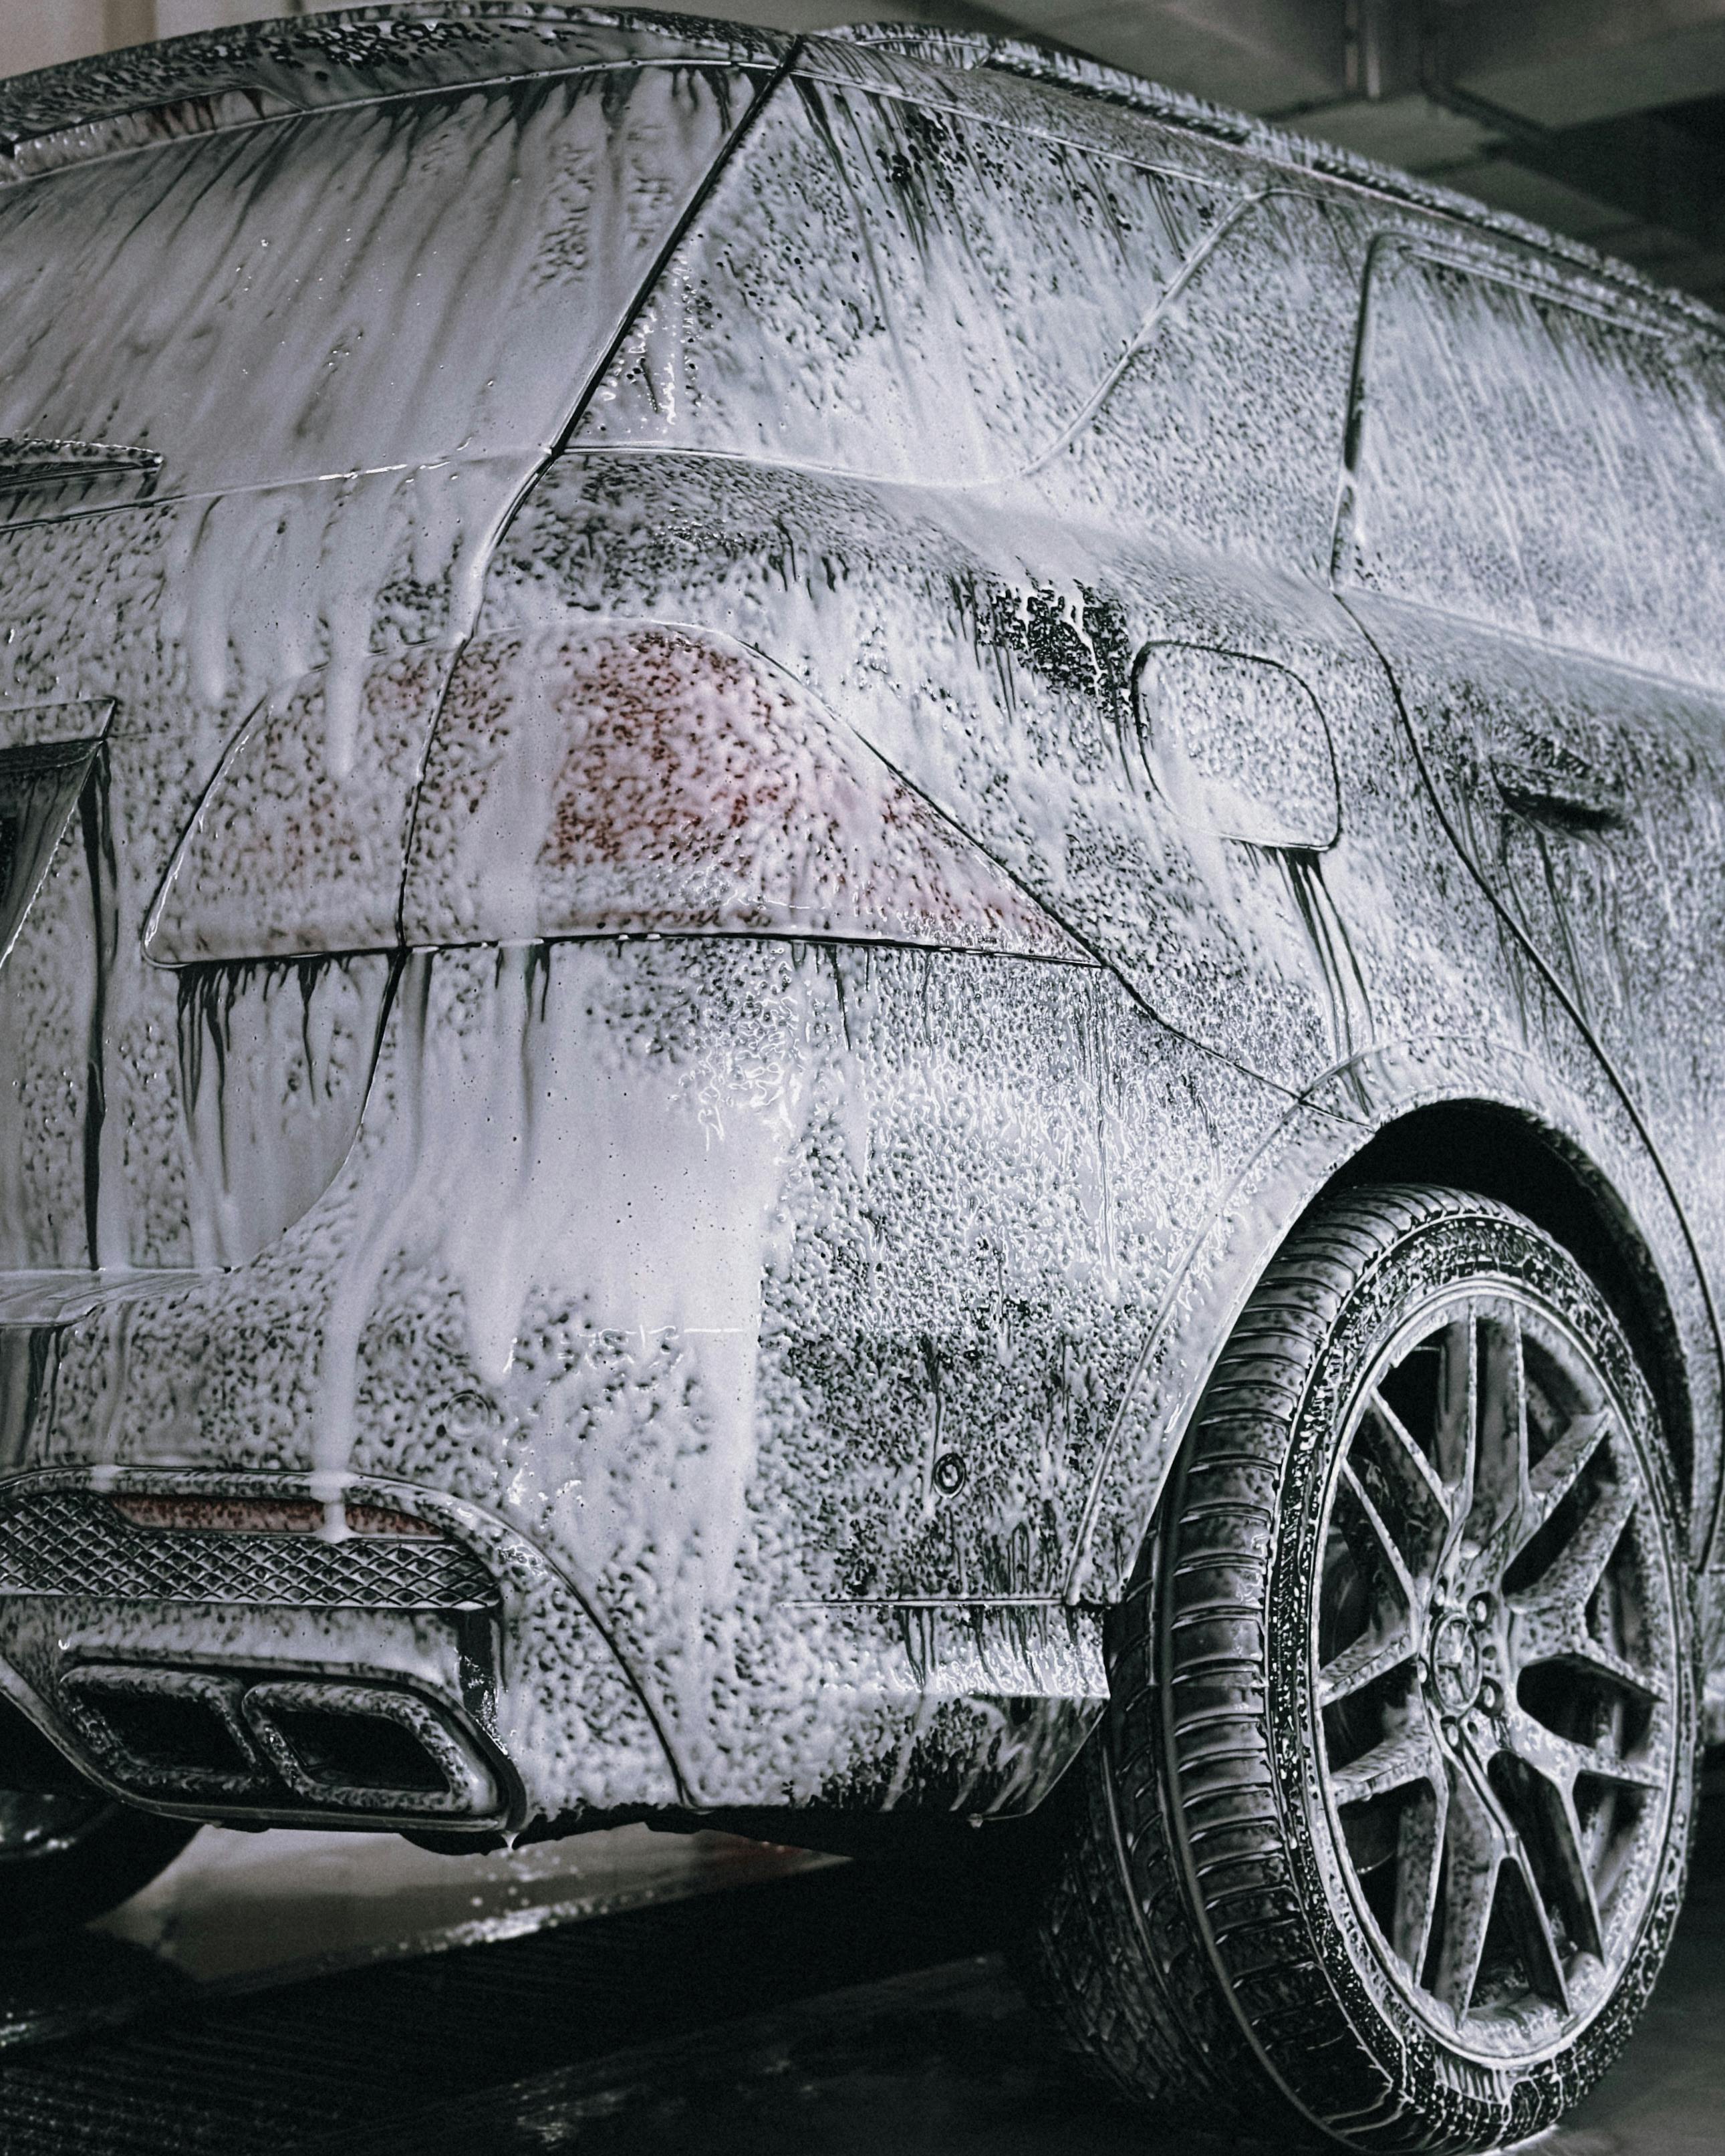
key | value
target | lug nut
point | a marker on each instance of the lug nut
(1479, 1610)
(1452, 1733)
(1490, 1698)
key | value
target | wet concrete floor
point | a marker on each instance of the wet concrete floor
(260, 1908)
(951, 2062)
(630, 1994)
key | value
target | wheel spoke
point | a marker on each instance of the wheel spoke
(1561, 1759)
(1569, 1580)
(1556, 1763)
(1367, 1659)
(1408, 1454)
(1585, 1653)
(1458, 1418)
(1539, 1950)
(1409, 1756)
(1575, 1878)
(1419, 1868)
(1554, 1632)
(1474, 1844)
(1385, 1541)
(1555, 1475)
(1501, 1494)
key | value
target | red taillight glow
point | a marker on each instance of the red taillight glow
(262, 1515)
(646, 778)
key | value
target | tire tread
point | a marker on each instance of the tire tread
(1173, 1941)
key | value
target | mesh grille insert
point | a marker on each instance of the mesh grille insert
(73, 1542)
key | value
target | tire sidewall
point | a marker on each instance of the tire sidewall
(1467, 2099)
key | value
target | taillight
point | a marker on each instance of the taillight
(297, 847)
(632, 779)
(627, 778)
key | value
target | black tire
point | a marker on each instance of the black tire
(65, 1858)
(1319, 1877)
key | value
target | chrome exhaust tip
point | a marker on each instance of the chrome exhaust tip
(236, 1743)
(364, 1748)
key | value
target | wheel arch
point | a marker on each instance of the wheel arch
(1499, 1152)
(1576, 1166)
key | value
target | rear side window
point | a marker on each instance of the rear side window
(884, 288)
(1534, 465)
(373, 285)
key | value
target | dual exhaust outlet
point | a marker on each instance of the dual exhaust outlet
(237, 1742)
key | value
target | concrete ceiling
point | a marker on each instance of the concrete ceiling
(1601, 118)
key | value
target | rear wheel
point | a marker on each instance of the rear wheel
(1386, 1834)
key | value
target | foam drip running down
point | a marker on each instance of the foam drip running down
(545, 1140)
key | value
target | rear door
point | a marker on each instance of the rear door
(1534, 536)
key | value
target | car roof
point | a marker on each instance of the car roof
(1261, 138)
(111, 101)
(91, 107)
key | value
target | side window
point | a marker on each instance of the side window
(1227, 424)
(1532, 464)
(373, 285)
(882, 288)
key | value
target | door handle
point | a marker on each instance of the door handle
(1558, 791)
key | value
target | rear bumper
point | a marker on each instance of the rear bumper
(513, 1705)
(757, 1314)
(198, 1672)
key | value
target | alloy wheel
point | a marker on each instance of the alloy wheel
(1494, 1652)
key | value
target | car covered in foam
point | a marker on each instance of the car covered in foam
(860, 960)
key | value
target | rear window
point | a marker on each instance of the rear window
(895, 290)
(378, 284)
(1538, 466)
